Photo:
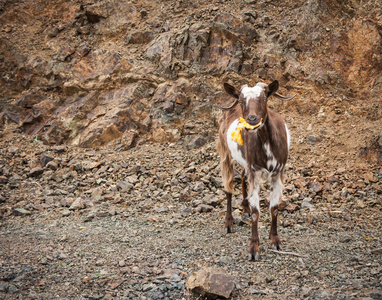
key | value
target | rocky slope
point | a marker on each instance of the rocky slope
(92, 72)
(109, 179)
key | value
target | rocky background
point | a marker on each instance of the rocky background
(109, 179)
(89, 73)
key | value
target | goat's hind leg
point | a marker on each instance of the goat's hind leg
(276, 192)
(227, 177)
(228, 216)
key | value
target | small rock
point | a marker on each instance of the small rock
(168, 107)
(90, 216)
(3, 179)
(370, 177)
(77, 204)
(59, 148)
(122, 263)
(211, 283)
(96, 194)
(4, 287)
(361, 204)
(13, 150)
(199, 186)
(291, 207)
(66, 202)
(13, 289)
(315, 187)
(36, 172)
(66, 213)
(211, 200)
(52, 165)
(196, 142)
(313, 140)
(306, 204)
(255, 291)
(116, 284)
(92, 165)
(204, 208)
(147, 287)
(345, 239)
(45, 159)
(344, 192)
(186, 211)
(20, 212)
(125, 186)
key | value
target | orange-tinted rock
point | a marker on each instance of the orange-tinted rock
(211, 282)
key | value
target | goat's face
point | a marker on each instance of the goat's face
(253, 100)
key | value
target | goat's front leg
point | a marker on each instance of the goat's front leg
(228, 215)
(245, 202)
(254, 202)
(276, 192)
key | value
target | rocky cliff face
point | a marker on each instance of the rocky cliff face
(96, 73)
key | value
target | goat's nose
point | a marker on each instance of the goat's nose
(252, 120)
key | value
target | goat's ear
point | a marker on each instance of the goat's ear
(231, 90)
(273, 87)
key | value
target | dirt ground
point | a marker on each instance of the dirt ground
(135, 224)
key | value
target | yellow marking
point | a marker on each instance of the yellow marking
(236, 135)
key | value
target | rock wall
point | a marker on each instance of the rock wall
(94, 72)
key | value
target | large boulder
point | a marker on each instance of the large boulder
(211, 282)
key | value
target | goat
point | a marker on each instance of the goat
(262, 149)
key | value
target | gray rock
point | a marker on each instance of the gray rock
(13, 289)
(125, 186)
(66, 213)
(45, 159)
(211, 200)
(199, 186)
(306, 204)
(315, 187)
(20, 212)
(52, 165)
(36, 172)
(204, 208)
(59, 148)
(77, 204)
(196, 142)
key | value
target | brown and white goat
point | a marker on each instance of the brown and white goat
(264, 152)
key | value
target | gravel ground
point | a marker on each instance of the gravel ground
(135, 224)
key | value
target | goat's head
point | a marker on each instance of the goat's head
(253, 100)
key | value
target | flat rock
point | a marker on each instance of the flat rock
(77, 204)
(45, 159)
(211, 282)
(20, 212)
(66, 213)
(36, 172)
(3, 179)
(59, 148)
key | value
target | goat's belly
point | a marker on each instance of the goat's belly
(234, 147)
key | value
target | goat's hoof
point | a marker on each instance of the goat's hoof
(254, 251)
(275, 242)
(228, 230)
(254, 256)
